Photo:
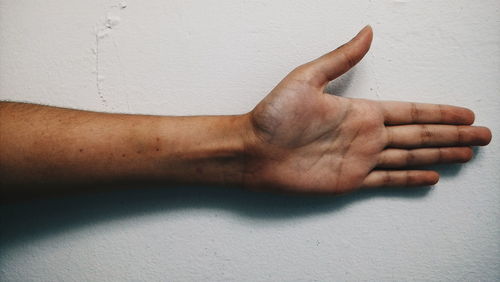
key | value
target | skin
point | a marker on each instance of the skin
(310, 141)
(298, 139)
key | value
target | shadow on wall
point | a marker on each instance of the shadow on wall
(26, 222)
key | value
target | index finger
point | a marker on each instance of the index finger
(409, 113)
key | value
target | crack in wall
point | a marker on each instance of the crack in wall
(98, 77)
(102, 30)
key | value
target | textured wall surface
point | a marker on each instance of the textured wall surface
(222, 57)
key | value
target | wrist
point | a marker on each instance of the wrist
(205, 150)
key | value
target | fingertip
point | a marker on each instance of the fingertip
(481, 136)
(369, 29)
(366, 33)
(363, 39)
(470, 116)
(457, 115)
(466, 155)
(366, 29)
(433, 177)
(487, 137)
(463, 116)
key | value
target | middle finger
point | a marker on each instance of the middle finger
(433, 135)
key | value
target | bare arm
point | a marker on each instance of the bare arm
(297, 139)
(40, 144)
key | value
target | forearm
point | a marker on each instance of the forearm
(40, 144)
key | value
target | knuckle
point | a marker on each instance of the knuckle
(459, 135)
(440, 158)
(441, 113)
(348, 59)
(410, 158)
(305, 74)
(414, 112)
(386, 178)
(425, 135)
(410, 178)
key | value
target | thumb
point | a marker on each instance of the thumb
(337, 62)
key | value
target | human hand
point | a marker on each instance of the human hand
(305, 140)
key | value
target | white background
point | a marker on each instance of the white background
(222, 57)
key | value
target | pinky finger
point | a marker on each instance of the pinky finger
(381, 178)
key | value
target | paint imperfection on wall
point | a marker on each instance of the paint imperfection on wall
(102, 31)
(112, 20)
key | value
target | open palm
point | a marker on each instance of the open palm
(305, 140)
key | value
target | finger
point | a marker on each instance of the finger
(340, 60)
(398, 158)
(380, 178)
(408, 113)
(433, 135)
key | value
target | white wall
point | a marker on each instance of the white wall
(222, 57)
